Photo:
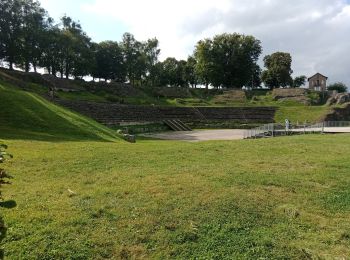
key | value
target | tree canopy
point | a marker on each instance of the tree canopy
(278, 70)
(227, 60)
(30, 38)
(339, 87)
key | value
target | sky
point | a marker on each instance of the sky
(315, 32)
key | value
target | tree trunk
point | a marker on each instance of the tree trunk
(27, 66)
(11, 64)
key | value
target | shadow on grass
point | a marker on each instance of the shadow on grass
(3, 230)
(20, 134)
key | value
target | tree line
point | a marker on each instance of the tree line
(31, 39)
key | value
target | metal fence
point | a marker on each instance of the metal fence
(272, 130)
(328, 124)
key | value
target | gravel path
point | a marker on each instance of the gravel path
(199, 135)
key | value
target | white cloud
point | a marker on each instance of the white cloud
(315, 32)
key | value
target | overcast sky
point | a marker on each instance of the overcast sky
(315, 32)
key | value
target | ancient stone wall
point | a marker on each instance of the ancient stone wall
(115, 114)
(339, 114)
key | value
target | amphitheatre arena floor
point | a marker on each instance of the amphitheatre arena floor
(200, 135)
(224, 134)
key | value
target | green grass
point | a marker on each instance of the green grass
(27, 115)
(283, 198)
(81, 96)
(301, 114)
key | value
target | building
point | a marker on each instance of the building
(318, 82)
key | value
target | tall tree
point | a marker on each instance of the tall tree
(278, 70)
(174, 72)
(75, 46)
(255, 81)
(134, 58)
(52, 56)
(34, 24)
(151, 52)
(227, 60)
(190, 72)
(11, 21)
(109, 61)
(205, 65)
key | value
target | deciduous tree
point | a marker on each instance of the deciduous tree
(278, 70)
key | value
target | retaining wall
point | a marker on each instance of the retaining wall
(116, 114)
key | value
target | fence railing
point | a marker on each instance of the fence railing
(337, 124)
(272, 130)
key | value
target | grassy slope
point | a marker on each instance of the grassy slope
(26, 115)
(287, 109)
(283, 198)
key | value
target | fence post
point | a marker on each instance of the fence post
(323, 124)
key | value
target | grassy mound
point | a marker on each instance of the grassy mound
(28, 116)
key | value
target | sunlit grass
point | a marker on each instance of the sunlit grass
(27, 115)
(277, 198)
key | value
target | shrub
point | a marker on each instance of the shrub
(339, 87)
(3, 175)
(3, 180)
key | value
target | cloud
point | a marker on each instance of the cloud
(315, 32)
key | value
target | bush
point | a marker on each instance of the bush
(339, 87)
(3, 174)
(3, 180)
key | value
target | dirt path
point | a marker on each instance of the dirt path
(199, 135)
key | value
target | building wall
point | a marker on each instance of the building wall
(318, 83)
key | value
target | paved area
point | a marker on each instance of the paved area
(337, 129)
(227, 134)
(200, 135)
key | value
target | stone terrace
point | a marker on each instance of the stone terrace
(115, 114)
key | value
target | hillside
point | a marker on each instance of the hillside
(116, 93)
(27, 115)
(79, 196)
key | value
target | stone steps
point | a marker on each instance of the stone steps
(110, 114)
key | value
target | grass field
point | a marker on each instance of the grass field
(82, 193)
(283, 198)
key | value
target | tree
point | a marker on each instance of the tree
(255, 81)
(11, 22)
(151, 52)
(75, 48)
(109, 61)
(33, 28)
(170, 71)
(134, 58)
(299, 81)
(205, 67)
(227, 60)
(278, 73)
(190, 72)
(52, 56)
(338, 86)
